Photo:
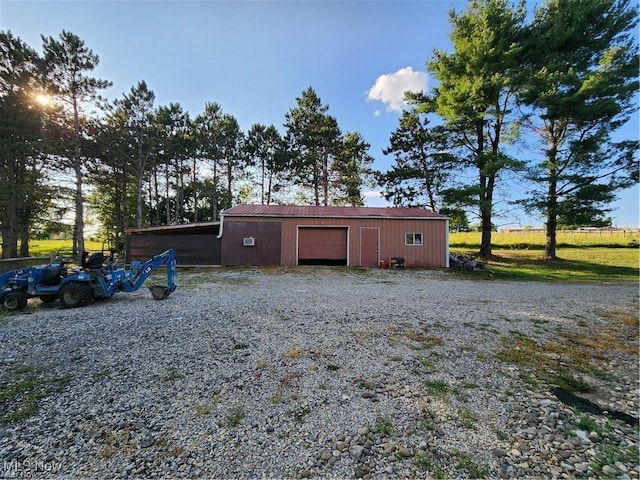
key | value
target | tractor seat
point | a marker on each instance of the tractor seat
(94, 261)
(52, 275)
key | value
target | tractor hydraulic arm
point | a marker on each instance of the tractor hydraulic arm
(140, 272)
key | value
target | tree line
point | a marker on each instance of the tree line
(539, 99)
(139, 164)
(556, 87)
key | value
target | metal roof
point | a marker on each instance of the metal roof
(339, 212)
(174, 228)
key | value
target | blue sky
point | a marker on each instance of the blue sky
(254, 59)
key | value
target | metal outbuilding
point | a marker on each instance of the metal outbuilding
(354, 236)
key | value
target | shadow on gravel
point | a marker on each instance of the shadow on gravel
(585, 405)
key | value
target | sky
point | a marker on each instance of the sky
(255, 57)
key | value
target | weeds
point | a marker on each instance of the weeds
(570, 383)
(428, 420)
(293, 353)
(235, 417)
(300, 414)
(203, 409)
(172, 374)
(468, 419)
(20, 399)
(475, 471)
(586, 423)
(611, 454)
(385, 425)
(438, 388)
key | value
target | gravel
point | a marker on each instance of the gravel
(313, 372)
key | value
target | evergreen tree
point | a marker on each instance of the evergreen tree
(314, 140)
(421, 163)
(475, 96)
(265, 148)
(206, 133)
(67, 61)
(21, 123)
(581, 84)
(353, 166)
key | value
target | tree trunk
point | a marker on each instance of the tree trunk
(316, 182)
(79, 219)
(9, 231)
(195, 192)
(269, 189)
(262, 197)
(167, 209)
(78, 230)
(214, 196)
(24, 240)
(552, 206)
(139, 178)
(229, 182)
(325, 178)
(486, 216)
(156, 194)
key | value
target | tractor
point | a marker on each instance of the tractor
(96, 277)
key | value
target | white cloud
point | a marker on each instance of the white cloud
(389, 88)
(372, 193)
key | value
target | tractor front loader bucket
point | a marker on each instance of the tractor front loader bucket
(159, 292)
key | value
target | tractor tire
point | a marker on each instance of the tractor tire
(75, 294)
(14, 301)
(48, 298)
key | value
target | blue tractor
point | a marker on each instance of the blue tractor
(96, 277)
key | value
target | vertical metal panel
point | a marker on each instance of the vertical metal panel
(191, 249)
(266, 250)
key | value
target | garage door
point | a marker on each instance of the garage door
(322, 246)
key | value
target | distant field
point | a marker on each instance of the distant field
(537, 240)
(45, 248)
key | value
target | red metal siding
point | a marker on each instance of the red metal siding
(433, 252)
(267, 236)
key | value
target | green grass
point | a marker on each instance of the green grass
(537, 240)
(438, 388)
(573, 265)
(20, 397)
(44, 248)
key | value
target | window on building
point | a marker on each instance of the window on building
(413, 239)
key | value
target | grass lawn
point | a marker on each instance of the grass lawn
(583, 257)
(45, 248)
(574, 264)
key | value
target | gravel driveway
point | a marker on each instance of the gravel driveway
(313, 372)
